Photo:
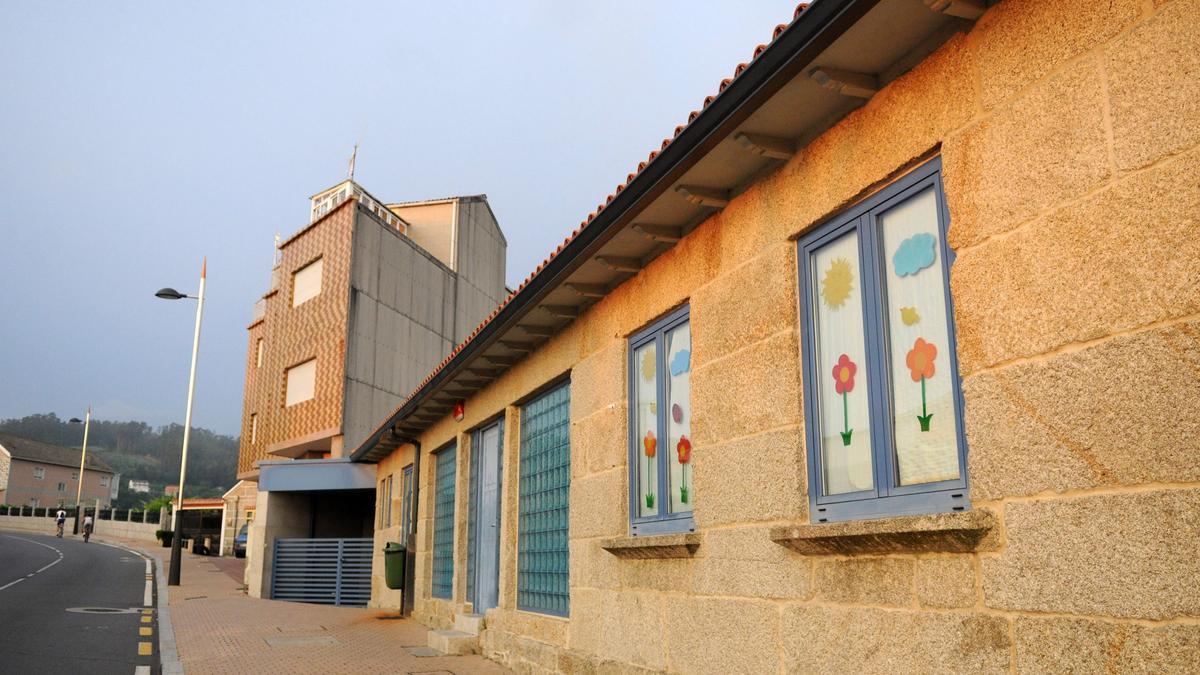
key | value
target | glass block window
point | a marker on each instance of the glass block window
(660, 445)
(443, 522)
(545, 485)
(883, 404)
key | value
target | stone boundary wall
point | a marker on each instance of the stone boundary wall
(111, 528)
(1070, 144)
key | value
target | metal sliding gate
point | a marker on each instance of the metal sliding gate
(324, 571)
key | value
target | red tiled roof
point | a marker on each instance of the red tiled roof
(741, 67)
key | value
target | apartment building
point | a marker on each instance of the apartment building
(33, 473)
(887, 360)
(363, 301)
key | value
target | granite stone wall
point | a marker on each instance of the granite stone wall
(1069, 136)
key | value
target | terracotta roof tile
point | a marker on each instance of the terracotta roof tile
(741, 68)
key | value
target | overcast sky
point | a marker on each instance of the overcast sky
(137, 137)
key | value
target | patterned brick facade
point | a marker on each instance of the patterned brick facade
(317, 328)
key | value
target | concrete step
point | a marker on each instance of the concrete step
(453, 642)
(469, 623)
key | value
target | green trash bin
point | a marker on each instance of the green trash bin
(393, 564)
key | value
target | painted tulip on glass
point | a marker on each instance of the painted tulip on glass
(843, 383)
(650, 443)
(920, 362)
(684, 449)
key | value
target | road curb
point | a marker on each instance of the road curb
(168, 652)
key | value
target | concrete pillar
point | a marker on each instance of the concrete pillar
(145, 514)
(129, 516)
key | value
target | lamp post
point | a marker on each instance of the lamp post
(176, 539)
(87, 423)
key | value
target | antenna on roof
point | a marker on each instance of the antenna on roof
(353, 156)
(275, 254)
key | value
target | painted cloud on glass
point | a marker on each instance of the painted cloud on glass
(915, 254)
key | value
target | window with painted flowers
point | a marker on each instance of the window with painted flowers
(661, 492)
(883, 405)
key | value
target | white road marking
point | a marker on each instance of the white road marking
(60, 557)
(141, 670)
(148, 596)
(148, 569)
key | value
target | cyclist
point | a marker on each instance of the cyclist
(87, 527)
(60, 519)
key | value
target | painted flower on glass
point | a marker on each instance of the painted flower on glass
(920, 362)
(684, 449)
(650, 445)
(835, 288)
(677, 413)
(843, 383)
(648, 366)
(909, 316)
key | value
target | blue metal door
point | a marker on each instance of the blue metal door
(487, 546)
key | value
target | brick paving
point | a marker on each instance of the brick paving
(219, 629)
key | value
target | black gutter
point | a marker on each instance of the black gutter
(817, 28)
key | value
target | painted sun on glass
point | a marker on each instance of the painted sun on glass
(836, 286)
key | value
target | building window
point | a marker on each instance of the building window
(306, 283)
(39, 472)
(406, 486)
(258, 353)
(62, 487)
(543, 513)
(301, 382)
(661, 491)
(883, 405)
(74, 475)
(253, 428)
(249, 515)
(104, 481)
(443, 523)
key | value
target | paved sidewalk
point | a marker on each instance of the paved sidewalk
(218, 629)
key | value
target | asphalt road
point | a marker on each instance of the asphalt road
(37, 632)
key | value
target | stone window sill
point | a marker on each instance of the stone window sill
(956, 532)
(654, 546)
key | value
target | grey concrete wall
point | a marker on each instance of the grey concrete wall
(482, 257)
(399, 326)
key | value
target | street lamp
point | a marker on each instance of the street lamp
(87, 423)
(176, 539)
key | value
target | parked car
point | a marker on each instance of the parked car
(239, 542)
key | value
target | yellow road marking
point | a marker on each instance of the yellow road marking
(147, 619)
(147, 611)
(145, 631)
(145, 649)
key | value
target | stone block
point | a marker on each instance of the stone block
(747, 392)
(726, 317)
(598, 380)
(1043, 148)
(1059, 645)
(720, 635)
(751, 479)
(453, 642)
(869, 581)
(947, 583)
(868, 640)
(1122, 555)
(953, 532)
(745, 562)
(625, 626)
(1122, 258)
(1070, 421)
(600, 441)
(600, 507)
(1021, 41)
(1154, 86)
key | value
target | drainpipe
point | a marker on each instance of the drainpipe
(410, 541)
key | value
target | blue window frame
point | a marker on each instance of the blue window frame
(661, 494)
(443, 522)
(883, 403)
(406, 487)
(543, 571)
